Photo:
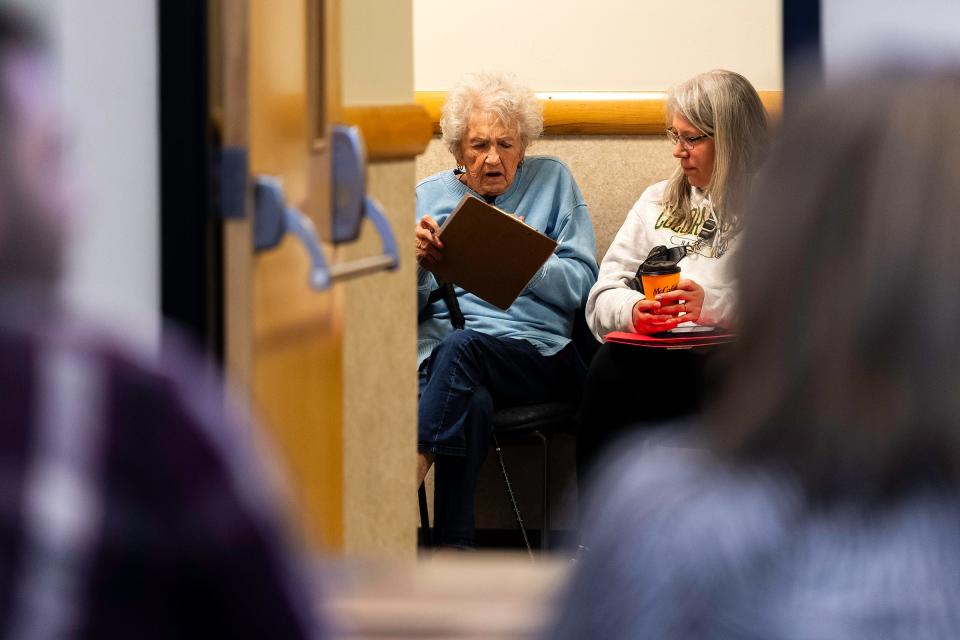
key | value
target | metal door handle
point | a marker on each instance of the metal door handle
(272, 217)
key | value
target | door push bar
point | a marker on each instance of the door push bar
(272, 218)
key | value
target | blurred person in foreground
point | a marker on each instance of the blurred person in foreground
(131, 504)
(823, 498)
(501, 359)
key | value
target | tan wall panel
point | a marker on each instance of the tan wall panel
(379, 366)
(379, 312)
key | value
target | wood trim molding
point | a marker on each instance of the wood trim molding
(391, 132)
(597, 113)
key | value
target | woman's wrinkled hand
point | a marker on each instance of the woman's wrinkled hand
(687, 299)
(649, 317)
(429, 247)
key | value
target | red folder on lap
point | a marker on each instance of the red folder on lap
(710, 336)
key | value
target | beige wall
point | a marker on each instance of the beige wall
(377, 52)
(379, 349)
(603, 45)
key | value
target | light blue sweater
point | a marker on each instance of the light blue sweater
(545, 193)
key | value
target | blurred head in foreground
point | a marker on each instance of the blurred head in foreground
(33, 204)
(849, 369)
(825, 502)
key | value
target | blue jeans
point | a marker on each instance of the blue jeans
(467, 376)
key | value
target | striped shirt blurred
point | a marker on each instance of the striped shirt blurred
(133, 505)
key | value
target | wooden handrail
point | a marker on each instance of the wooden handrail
(394, 132)
(390, 132)
(597, 113)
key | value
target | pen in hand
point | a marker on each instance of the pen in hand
(429, 247)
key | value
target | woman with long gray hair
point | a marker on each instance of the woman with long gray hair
(718, 128)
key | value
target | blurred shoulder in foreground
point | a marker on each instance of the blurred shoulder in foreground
(685, 545)
(138, 506)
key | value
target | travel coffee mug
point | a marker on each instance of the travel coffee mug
(659, 276)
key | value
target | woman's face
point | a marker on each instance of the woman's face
(491, 153)
(697, 163)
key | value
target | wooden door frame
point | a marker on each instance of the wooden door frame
(802, 41)
(191, 247)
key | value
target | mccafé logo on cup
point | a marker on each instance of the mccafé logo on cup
(659, 276)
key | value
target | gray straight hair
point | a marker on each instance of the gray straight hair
(725, 106)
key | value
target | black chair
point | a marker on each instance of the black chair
(535, 422)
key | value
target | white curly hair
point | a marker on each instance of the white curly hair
(513, 103)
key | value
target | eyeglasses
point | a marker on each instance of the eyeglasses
(687, 142)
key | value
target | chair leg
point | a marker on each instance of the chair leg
(426, 539)
(510, 494)
(545, 523)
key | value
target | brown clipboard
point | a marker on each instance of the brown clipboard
(489, 252)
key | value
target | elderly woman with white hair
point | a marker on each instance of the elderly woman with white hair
(718, 128)
(502, 358)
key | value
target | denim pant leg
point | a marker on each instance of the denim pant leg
(465, 377)
(455, 477)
